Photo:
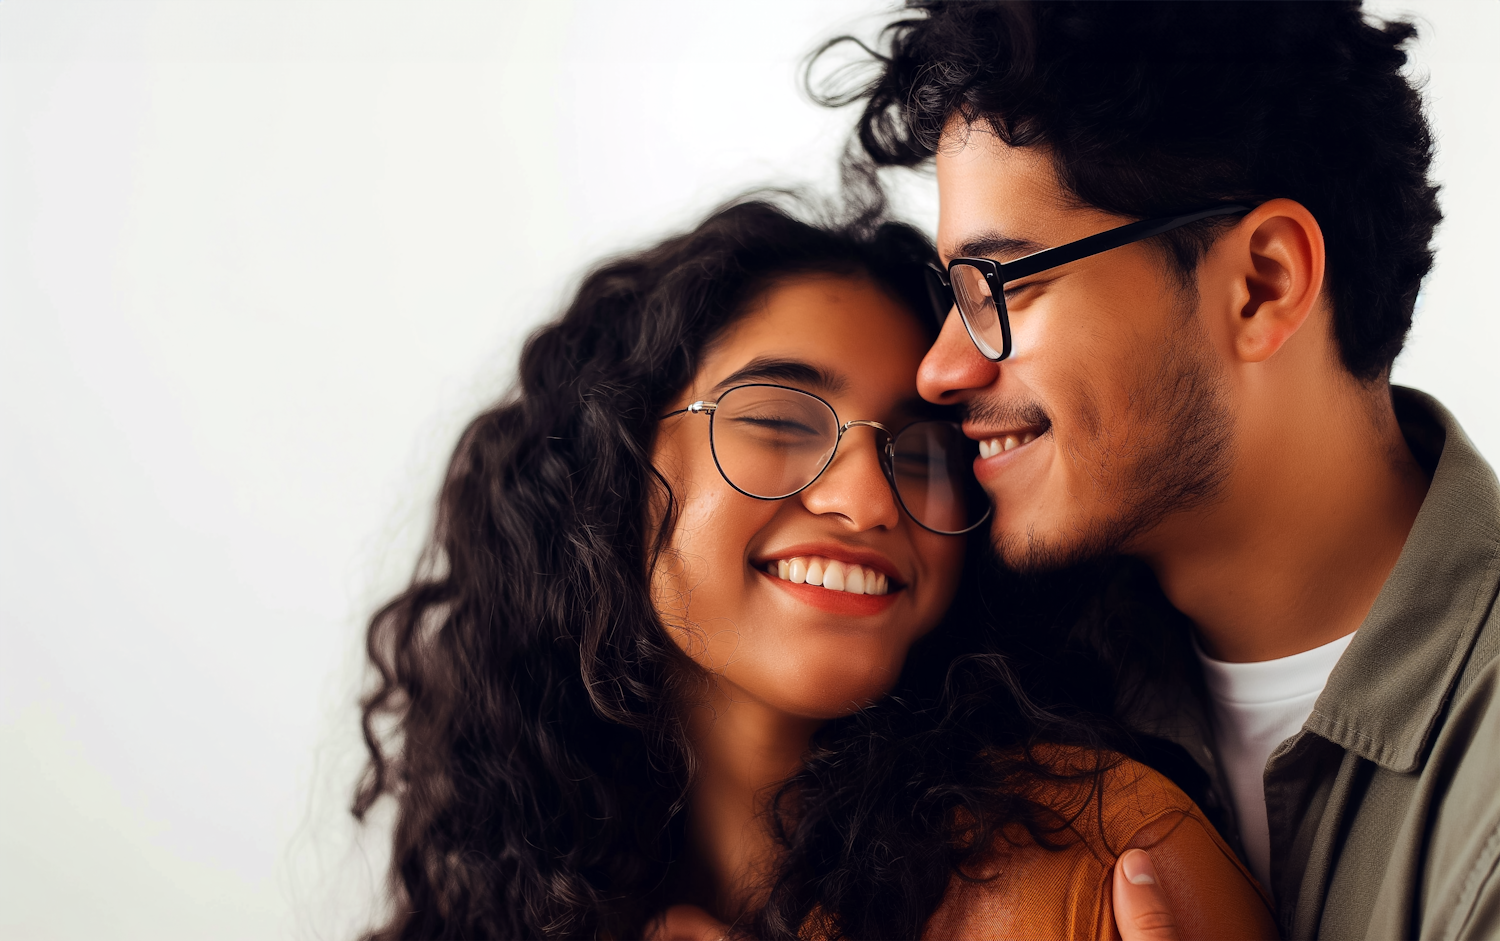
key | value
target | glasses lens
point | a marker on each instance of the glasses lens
(971, 291)
(771, 442)
(933, 466)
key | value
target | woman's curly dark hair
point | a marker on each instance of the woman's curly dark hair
(1153, 108)
(894, 801)
(525, 717)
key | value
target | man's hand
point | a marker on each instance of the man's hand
(686, 923)
(1141, 909)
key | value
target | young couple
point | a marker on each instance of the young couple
(781, 601)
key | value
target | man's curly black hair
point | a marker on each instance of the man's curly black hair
(1153, 108)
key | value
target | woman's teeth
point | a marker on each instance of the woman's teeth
(831, 574)
(994, 446)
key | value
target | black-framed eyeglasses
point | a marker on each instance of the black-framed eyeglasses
(771, 442)
(976, 286)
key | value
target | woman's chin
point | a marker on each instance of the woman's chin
(836, 691)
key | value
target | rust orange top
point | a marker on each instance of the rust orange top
(1029, 891)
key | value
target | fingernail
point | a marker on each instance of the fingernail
(1138, 868)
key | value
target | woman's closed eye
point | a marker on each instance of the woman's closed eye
(775, 431)
(778, 423)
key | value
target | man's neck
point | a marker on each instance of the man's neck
(1309, 526)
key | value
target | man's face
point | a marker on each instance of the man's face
(1109, 415)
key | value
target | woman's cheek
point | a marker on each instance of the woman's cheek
(701, 582)
(943, 558)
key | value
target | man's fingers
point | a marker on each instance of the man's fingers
(686, 923)
(1141, 909)
(1142, 912)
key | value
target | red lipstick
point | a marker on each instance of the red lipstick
(836, 602)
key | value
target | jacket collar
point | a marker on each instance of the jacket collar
(1385, 697)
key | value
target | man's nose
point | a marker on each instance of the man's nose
(954, 368)
(854, 486)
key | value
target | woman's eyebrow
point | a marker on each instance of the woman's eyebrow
(795, 371)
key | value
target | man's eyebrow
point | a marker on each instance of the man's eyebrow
(992, 245)
(793, 371)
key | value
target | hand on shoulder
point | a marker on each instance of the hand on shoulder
(1176, 877)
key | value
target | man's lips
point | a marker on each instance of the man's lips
(993, 443)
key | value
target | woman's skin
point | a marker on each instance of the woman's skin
(781, 658)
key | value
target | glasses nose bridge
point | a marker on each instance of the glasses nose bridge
(882, 449)
(861, 422)
(865, 423)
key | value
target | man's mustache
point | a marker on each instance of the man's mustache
(993, 413)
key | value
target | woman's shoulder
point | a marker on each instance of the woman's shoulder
(1106, 799)
(1053, 879)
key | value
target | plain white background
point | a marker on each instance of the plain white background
(258, 263)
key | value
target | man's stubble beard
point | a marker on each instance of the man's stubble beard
(1176, 457)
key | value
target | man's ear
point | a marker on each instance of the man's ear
(1275, 258)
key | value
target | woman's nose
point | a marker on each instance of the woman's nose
(854, 486)
(953, 370)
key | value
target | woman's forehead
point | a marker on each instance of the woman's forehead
(893, 398)
(839, 335)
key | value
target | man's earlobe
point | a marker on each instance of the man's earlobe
(1279, 250)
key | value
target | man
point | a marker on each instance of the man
(1208, 392)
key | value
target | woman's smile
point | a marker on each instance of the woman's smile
(833, 600)
(830, 574)
(833, 578)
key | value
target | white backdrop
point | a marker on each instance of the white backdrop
(258, 263)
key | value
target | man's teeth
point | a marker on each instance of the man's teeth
(993, 446)
(831, 574)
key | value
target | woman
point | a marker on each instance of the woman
(645, 662)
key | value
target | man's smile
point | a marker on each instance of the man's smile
(999, 444)
(995, 441)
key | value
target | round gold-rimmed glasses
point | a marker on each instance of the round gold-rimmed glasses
(771, 442)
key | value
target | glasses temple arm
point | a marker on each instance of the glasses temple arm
(697, 408)
(1104, 241)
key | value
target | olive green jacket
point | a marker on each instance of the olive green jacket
(1385, 809)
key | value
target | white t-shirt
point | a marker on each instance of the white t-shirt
(1257, 706)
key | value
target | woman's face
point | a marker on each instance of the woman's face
(807, 650)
